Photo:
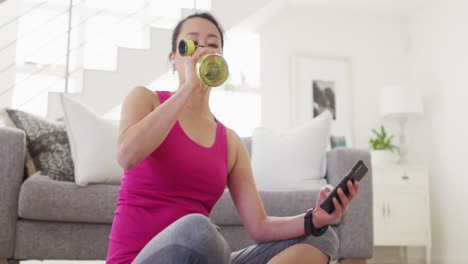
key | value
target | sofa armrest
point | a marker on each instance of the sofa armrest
(12, 153)
(356, 227)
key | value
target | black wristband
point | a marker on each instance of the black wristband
(307, 221)
(309, 227)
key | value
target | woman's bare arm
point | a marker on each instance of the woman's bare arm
(145, 123)
(259, 225)
(246, 198)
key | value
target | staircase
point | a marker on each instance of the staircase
(104, 89)
(134, 67)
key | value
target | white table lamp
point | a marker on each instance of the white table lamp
(400, 104)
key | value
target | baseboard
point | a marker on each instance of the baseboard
(417, 260)
(393, 255)
(449, 259)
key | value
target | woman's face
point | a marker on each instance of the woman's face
(203, 33)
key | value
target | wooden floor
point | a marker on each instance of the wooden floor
(381, 256)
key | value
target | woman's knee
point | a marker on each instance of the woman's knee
(194, 220)
(328, 243)
(196, 227)
(196, 231)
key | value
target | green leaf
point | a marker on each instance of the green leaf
(375, 132)
(384, 133)
(382, 141)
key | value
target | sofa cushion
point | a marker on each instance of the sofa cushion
(48, 149)
(93, 143)
(44, 199)
(292, 160)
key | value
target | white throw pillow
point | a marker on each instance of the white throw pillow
(93, 143)
(292, 160)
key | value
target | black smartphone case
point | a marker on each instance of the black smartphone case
(355, 174)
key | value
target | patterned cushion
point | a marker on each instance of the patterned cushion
(48, 149)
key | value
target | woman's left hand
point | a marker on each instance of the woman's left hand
(322, 218)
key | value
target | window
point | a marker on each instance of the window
(241, 111)
(98, 28)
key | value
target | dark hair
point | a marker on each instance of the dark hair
(206, 16)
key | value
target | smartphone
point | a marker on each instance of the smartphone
(354, 174)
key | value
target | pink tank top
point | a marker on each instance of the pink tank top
(180, 177)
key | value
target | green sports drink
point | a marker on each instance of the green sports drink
(211, 69)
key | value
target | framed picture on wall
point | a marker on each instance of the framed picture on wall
(321, 83)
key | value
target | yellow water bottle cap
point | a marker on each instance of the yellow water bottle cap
(186, 47)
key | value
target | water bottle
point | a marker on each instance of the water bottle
(211, 69)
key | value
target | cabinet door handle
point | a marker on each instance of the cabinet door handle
(389, 211)
(383, 210)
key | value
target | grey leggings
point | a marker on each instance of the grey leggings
(194, 239)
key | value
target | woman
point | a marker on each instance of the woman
(178, 158)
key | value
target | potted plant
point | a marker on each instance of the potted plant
(382, 148)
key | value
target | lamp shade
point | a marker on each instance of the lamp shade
(396, 102)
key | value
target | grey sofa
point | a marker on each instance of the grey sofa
(45, 219)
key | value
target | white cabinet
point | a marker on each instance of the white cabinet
(401, 207)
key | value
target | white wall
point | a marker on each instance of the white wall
(435, 61)
(373, 42)
(439, 66)
(8, 10)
